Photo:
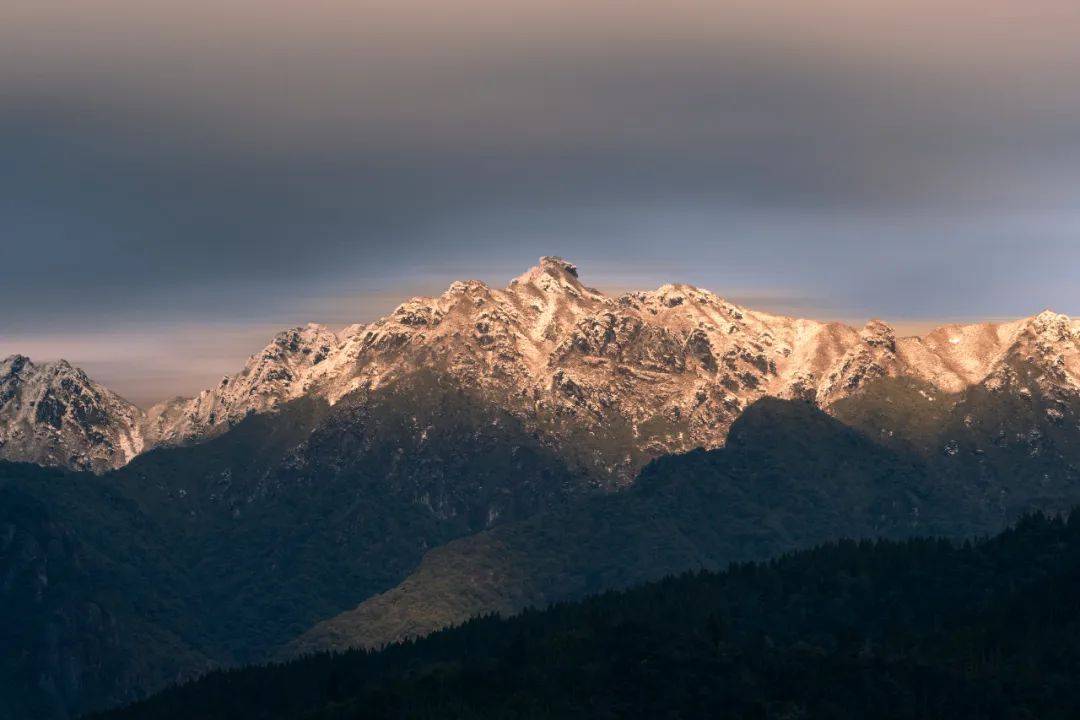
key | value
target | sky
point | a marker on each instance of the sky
(181, 180)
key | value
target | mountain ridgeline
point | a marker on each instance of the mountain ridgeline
(608, 382)
(491, 450)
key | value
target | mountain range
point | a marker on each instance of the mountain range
(486, 451)
(609, 382)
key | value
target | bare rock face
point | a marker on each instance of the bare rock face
(608, 381)
(53, 414)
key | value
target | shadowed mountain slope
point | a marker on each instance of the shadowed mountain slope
(218, 553)
(789, 477)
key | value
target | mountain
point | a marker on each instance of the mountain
(53, 414)
(608, 383)
(898, 630)
(488, 449)
(970, 462)
(611, 383)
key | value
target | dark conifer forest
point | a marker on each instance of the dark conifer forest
(920, 628)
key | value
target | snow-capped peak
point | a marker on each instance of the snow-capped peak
(53, 414)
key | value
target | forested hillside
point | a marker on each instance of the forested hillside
(914, 629)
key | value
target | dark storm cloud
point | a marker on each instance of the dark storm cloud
(248, 163)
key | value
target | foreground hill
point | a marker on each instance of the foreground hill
(914, 629)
